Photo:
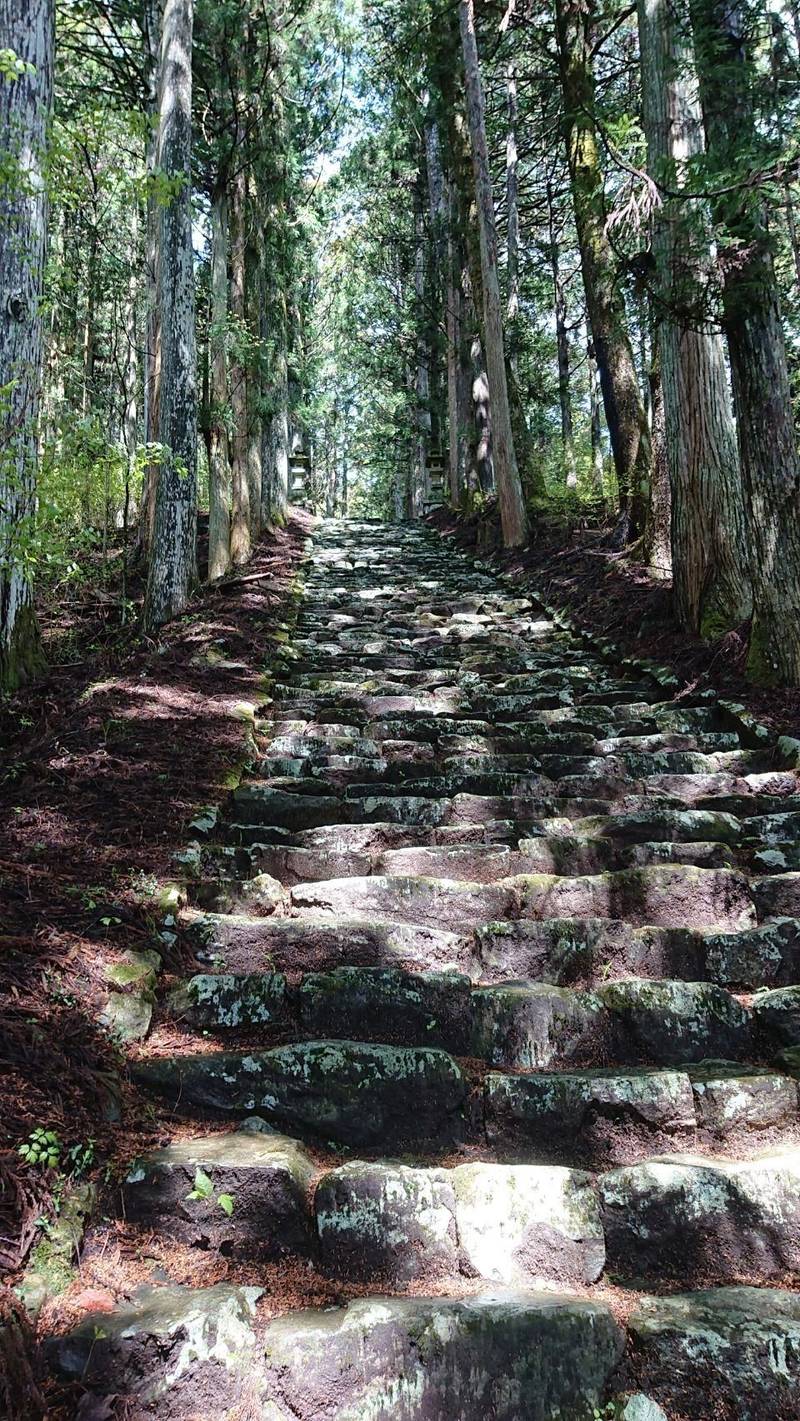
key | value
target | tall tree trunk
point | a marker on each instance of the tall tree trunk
(512, 195)
(709, 551)
(151, 364)
(513, 516)
(456, 433)
(172, 569)
(756, 343)
(275, 463)
(254, 273)
(219, 468)
(622, 399)
(241, 542)
(422, 412)
(657, 536)
(27, 27)
(595, 420)
(562, 345)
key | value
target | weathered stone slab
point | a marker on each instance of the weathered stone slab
(262, 1178)
(598, 1117)
(731, 1352)
(669, 1022)
(344, 1091)
(385, 1004)
(175, 1351)
(665, 896)
(435, 902)
(230, 1000)
(518, 1224)
(533, 1025)
(704, 1220)
(387, 1221)
(733, 1101)
(512, 1357)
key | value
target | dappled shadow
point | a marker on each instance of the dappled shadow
(106, 761)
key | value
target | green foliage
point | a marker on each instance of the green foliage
(42, 1150)
(204, 1189)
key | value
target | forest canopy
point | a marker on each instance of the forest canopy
(538, 261)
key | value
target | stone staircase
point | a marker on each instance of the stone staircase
(493, 1038)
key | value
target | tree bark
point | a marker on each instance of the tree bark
(219, 468)
(711, 585)
(172, 569)
(513, 516)
(27, 27)
(756, 343)
(422, 410)
(151, 364)
(622, 398)
(562, 345)
(241, 543)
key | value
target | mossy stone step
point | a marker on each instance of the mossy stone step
(347, 1092)
(516, 1356)
(664, 895)
(171, 1350)
(720, 1352)
(598, 1118)
(245, 944)
(515, 1225)
(695, 1219)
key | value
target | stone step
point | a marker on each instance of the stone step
(347, 1092)
(680, 1218)
(263, 1180)
(665, 895)
(524, 1025)
(599, 1118)
(481, 862)
(693, 1219)
(236, 943)
(595, 950)
(720, 1352)
(510, 1356)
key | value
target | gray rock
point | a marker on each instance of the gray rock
(343, 1091)
(731, 1352)
(382, 1003)
(695, 1219)
(669, 1022)
(128, 1015)
(227, 999)
(594, 1116)
(514, 1225)
(170, 1347)
(518, 1224)
(639, 1408)
(765, 956)
(387, 1221)
(668, 895)
(732, 1100)
(263, 1180)
(777, 1018)
(511, 1357)
(532, 1025)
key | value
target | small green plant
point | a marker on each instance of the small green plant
(42, 1149)
(80, 1158)
(204, 1189)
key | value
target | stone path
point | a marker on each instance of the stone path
(493, 1023)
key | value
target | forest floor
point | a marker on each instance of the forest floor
(106, 759)
(608, 593)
